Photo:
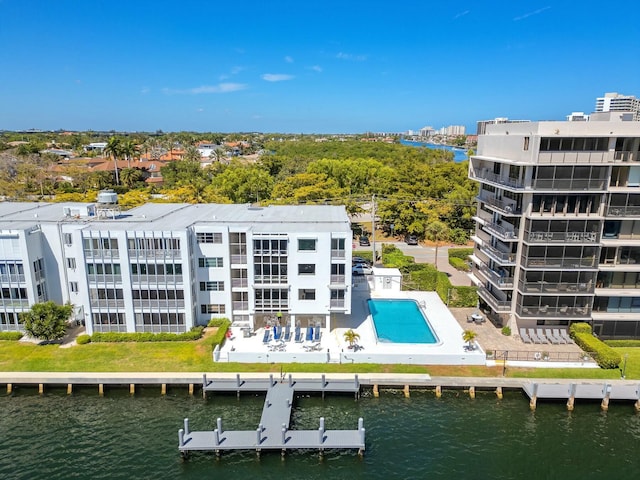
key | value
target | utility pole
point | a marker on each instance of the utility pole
(373, 227)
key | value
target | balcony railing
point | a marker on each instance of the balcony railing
(560, 287)
(158, 303)
(501, 257)
(562, 237)
(337, 303)
(271, 279)
(507, 234)
(626, 157)
(575, 157)
(239, 259)
(495, 303)
(496, 278)
(507, 207)
(239, 283)
(104, 278)
(239, 305)
(570, 184)
(489, 176)
(566, 262)
(546, 311)
(137, 278)
(271, 305)
(113, 253)
(169, 253)
(14, 302)
(628, 211)
(335, 253)
(337, 279)
(12, 278)
(107, 302)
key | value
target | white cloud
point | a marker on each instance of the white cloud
(461, 14)
(145, 90)
(535, 12)
(276, 77)
(288, 59)
(219, 88)
(316, 68)
(349, 56)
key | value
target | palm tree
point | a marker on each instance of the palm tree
(351, 337)
(128, 150)
(435, 232)
(469, 336)
(114, 150)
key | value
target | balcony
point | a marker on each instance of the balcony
(271, 305)
(240, 305)
(575, 157)
(107, 302)
(565, 262)
(156, 278)
(337, 254)
(337, 303)
(505, 206)
(486, 175)
(96, 278)
(628, 211)
(169, 253)
(622, 157)
(495, 277)
(239, 259)
(505, 234)
(271, 279)
(112, 253)
(495, 303)
(14, 302)
(337, 279)
(239, 283)
(503, 258)
(562, 237)
(556, 288)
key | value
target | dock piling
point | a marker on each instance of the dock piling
(238, 380)
(132, 389)
(69, 388)
(637, 405)
(163, 389)
(216, 437)
(181, 437)
(605, 400)
(360, 423)
(322, 423)
(219, 424)
(186, 426)
(9, 388)
(259, 436)
(472, 392)
(376, 393)
(406, 391)
(324, 380)
(101, 389)
(284, 435)
(191, 389)
(438, 391)
(271, 382)
(534, 397)
(41, 388)
(572, 397)
(499, 392)
(290, 380)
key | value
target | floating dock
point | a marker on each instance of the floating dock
(273, 432)
(604, 392)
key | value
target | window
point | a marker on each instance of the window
(307, 244)
(68, 239)
(73, 287)
(211, 286)
(525, 145)
(212, 308)
(306, 269)
(337, 244)
(205, 262)
(71, 263)
(306, 294)
(209, 237)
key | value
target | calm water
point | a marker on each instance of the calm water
(400, 321)
(458, 155)
(87, 437)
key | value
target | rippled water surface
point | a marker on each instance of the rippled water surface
(83, 436)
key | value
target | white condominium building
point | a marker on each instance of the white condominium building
(169, 267)
(557, 235)
(615, 102)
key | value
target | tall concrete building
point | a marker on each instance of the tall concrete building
(557, 235)
(169, 267)
(615, 102)
(481, 125)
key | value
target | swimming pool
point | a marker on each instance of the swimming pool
(400, 321)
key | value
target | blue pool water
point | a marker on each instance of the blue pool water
(400, 321)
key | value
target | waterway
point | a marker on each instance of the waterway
(459, 155)
(84, 436)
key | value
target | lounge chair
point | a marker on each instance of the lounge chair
(309, 336)
(556, 333)
(277, 332)
(565, 335)
(267, 336)
(552, 338)
(524, 336)
(543, 338)
(534, 338)
(287, 333)
(299, 338)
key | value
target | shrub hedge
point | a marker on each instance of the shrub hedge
(83, 339)
(459, 264)
(219, 322)
(11, 335)
(623, 343)
(461, 253)
(603, 354)
(194, 334)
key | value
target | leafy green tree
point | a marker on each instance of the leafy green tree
(244, 183)
(131, 176)
(47, 321)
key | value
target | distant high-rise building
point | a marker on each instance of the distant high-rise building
(427, 131)
(615, 102)
(453, 130)
(481, 127)
(577, 117)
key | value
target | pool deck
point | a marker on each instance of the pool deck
(332, 348)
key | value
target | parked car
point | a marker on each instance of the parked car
(355, 260)
(361, 269)
(411, 240)
(364, 241)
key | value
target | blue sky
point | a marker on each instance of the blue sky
(308, 66)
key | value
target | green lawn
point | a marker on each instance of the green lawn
(196, 357)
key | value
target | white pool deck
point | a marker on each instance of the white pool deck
(450, 349)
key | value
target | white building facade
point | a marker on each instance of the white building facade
(169, 267)
(557, 235)
(615, 102)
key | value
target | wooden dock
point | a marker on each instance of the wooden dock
(273, 432)
(604, 392)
